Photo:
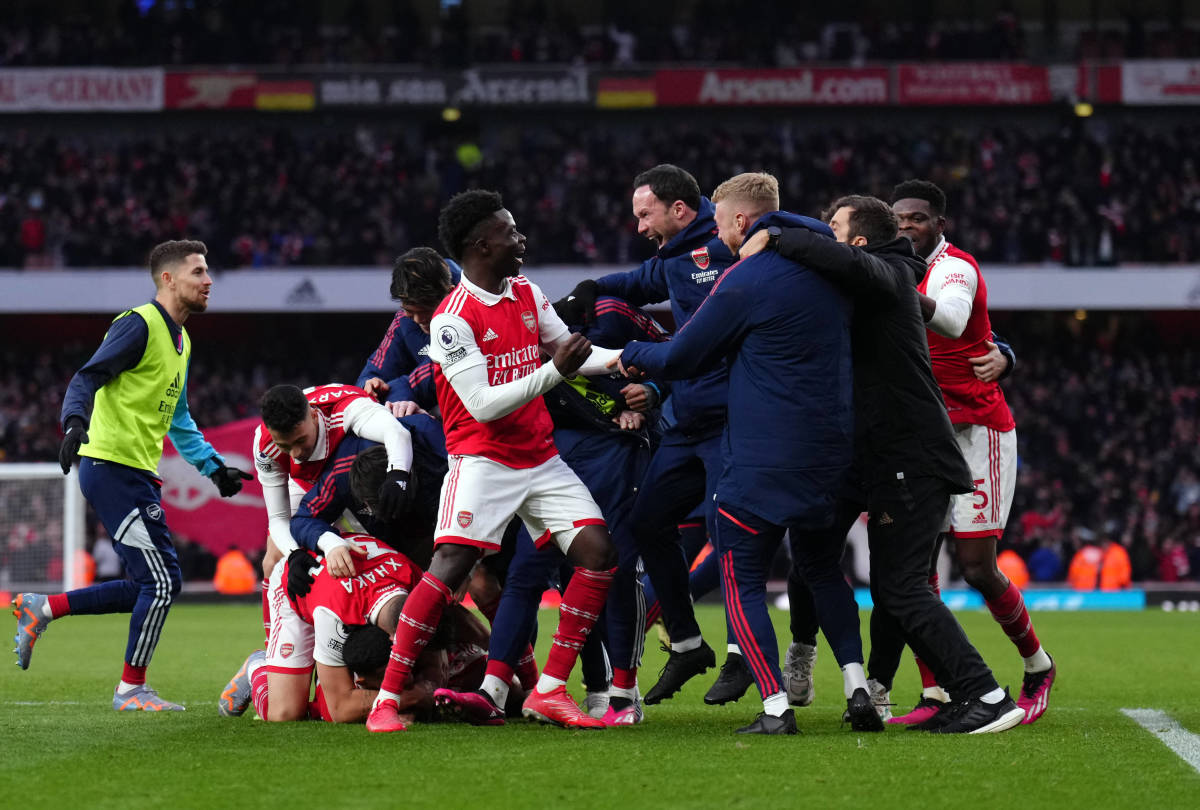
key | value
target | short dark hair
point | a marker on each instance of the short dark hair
(871, 217)
(922, 190)
(670, 183)
(421, 275)
(283, 407)
(462, 214)
(173, 251)
(367, 472)
(365, 649)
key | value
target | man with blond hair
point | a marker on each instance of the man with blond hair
(787, 442)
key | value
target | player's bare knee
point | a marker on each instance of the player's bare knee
(592, 549)
(452, 563)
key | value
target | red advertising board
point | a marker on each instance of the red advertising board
(196, 510)
(972, 83)
(209, 91)
(783, 87)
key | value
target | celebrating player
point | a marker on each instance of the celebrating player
(787, 443)
(399, 371)
(137, 383)
(486, 342)
(954, 304)
(299, 434)
(671, 212)
(315, 626)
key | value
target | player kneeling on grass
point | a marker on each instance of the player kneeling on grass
(316, 627)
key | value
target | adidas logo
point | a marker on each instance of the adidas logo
(490, 335)
(305, 293)
(423, 351)
(980, 518)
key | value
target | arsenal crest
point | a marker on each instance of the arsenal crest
(465, 518)
(700, 257)
(286, 649)
(530, 321)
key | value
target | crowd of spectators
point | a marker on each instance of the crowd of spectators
(305, 32)
(1107, 409)
(1096, 193)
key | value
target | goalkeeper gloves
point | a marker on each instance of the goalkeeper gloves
(76, 435)
(299, 572)
(228, 480)
(394, 495)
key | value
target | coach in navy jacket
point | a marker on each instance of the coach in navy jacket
(786, 333)
(789, 439)
(682, 475)
(683, 271)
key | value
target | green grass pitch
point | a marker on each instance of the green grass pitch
(65, 747)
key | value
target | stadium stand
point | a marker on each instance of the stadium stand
(1121, 192)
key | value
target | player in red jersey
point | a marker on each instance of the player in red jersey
(315, 627)
(300, 432)
(486, 342)
(954, 303)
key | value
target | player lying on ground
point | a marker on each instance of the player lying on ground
(325, 627)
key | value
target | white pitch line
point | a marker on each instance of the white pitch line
(1169, 732)
(43, 703)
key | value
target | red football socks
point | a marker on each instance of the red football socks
(59, 606)
(418, 622)
(133, 675)
(258, 691)
(577, 615)
(1009, 610)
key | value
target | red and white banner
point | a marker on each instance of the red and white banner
(81, 90)
(1173, 81)
(973, 83)
(209, 91)
(196, 511)
(785, 87)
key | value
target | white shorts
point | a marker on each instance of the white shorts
(992, 457)
(290, 651)
(480, 497)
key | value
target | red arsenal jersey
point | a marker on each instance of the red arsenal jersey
(330, 402)
(506, 331)
(968, 399)
(382, 572)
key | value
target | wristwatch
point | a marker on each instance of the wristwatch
(773, 234)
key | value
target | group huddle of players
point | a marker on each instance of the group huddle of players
(498, 445)
(491, 447)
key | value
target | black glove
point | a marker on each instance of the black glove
(394, 496)
(76, 435)
(579, 307)
(229, 480)
(299, 566)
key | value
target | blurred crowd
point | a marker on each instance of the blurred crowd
(618, 33)
(1107, 409)
(1095, 193)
